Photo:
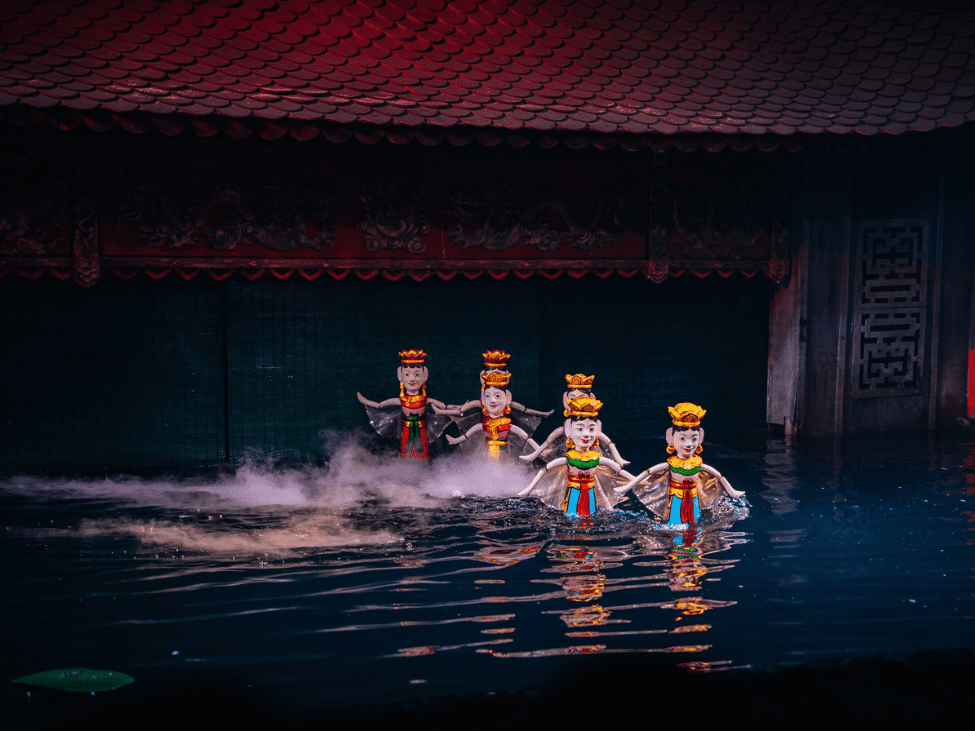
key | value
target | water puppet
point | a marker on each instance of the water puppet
(506, 426)
(583, 480)
(576, 385)
(677, 489)
(410, 416)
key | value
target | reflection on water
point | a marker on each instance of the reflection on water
(374, 579)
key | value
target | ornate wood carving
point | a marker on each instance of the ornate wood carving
(890, 308)
(33, 203)
(393, 214)
(275, 213)
(730, 214)
(779, 261)
(493, 216)
(86, 269)
(658, 263)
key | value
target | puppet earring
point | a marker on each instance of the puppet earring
(670, 449)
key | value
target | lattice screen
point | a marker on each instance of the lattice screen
(890, 308)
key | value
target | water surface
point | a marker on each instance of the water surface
(364, 581)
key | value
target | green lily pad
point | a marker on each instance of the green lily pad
(77, 680)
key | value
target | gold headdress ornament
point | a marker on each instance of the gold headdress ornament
(412, 357)
(495, 379)
(496, 359)
(686, 414)
(585, 406)
(578, 382)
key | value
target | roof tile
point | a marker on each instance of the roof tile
(620, 67)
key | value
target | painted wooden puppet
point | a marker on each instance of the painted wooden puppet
(583, 480)
(576, 385)
(410, 416)
(677, 489)
(504, 425)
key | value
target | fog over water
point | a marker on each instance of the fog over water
(308, 499)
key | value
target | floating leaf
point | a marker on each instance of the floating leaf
(77, 680)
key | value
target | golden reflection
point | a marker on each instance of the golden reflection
(592, 615)
(553, 652)
(506, 554)
(494, 618)
(583, 588)
(705, 667)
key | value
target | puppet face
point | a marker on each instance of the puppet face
(685, 441)
(582, 432)
(494, 400)
(412, 378)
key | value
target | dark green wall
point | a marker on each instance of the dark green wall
(142, 373)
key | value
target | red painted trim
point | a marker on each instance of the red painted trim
(971, 382)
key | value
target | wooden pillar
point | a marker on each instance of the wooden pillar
(787, 314)
(827, 216)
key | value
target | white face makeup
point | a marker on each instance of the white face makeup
(582, 433)
(494, 400)
(686, 442)
(412, 378)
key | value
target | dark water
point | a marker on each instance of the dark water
(369, 583)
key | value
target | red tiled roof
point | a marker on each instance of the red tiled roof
(628, 68)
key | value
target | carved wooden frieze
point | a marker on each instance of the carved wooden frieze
(730, 213)
(273, 212)
(34, 202)
(493, 215)
(658, 262)
(86, 263)
(393, 213)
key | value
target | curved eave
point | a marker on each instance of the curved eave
(141, 123)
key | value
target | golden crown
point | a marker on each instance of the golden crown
(495, 379)
(412, 357)
(585, 406)
(685, 414)
(578, 382)
(496, 359)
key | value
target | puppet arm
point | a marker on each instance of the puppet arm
(515, 406)
(388, 402)
(453, 409)
(640, 477)
(519, 431)
(616, 468)
(614, 453)
(464, 437)
(724, 482)
(551, 465)
(551, 438)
